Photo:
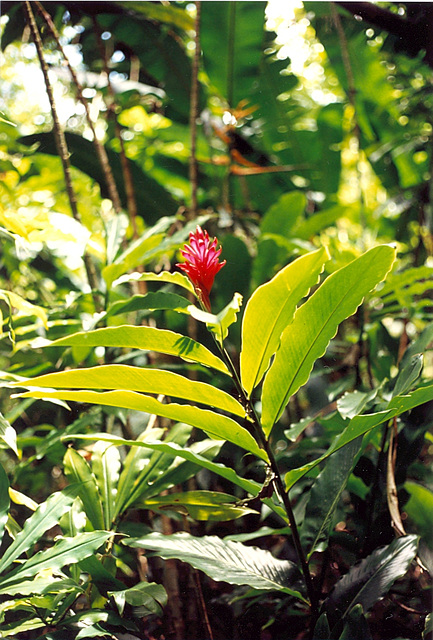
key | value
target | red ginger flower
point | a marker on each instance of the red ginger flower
(201, 263)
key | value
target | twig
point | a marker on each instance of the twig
(99, 147)
(193, 165)
(131, 203)
(63, 152)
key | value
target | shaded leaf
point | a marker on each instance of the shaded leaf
(106, 467)
(225, 561)
(324, 497)
(164, 276)
(366, 583)
(149, 596)
(65, 552)
(150, 302)
(200, 505)
(356, 627)
(4, 500)
(46, 516)
(77, 470)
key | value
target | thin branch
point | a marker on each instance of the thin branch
(126, 170)
(62, 150)
(193, 165)
(99, 147)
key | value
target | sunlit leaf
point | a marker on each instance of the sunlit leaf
(147, 338)
(270, 309)
(315, 324)
(117, 376)
(200, 505)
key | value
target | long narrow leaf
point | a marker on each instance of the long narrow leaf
(106, 467)
(4, 500)
(65, 552)
(147, 338)
(368, 582)
(325, 495)
(223, 560)
(120, 376)
(45, 517)
(77, 470)
(270, 309)
(214, 424)
(315, 323)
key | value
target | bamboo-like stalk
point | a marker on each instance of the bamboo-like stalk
(193, 165)
(99, 147)
(63, 152)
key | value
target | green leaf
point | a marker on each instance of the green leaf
(231, 39)
(356, 627)
(325, 495)
(152, 244)
(220, 323)
(4, 500)
(149, 596)
(428, 626)
(8, 435)
(409, 401)
(155, 201)
(419, 508)
(315, 324)
(222, 560)
(270, 309)
(165, 276)
(147, 338)
(215, 425)
(200, 505)
(65, 552)
(358, 426)
(173, 449)
(41, 585)
(118, 376)
(77, 470)
(46, 516)
(408, 375)
(151, 301)
(167, 14)
(353, 403)
(367, 582)
(322, 630)
(282, 216)
(106, 467)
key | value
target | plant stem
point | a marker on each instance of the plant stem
(277, 480)
(63, 152)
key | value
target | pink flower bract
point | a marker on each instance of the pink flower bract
(201, 263)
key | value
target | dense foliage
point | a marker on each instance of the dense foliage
(216, 303)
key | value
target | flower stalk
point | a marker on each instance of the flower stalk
(201, 266)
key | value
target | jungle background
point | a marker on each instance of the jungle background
(281, 127)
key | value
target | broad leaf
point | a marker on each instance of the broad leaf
(147, 338)
(117, 376)
(77, 470)
(200, 505)
(46, 516)
(106, 467)
(222, 560)
(65, 552)
(369, 581)
(149, 596)
(325, 495)
(219, 324)
(356, 627)
(408, 375)
(215, 425)
(315, 324)
(270, 309)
